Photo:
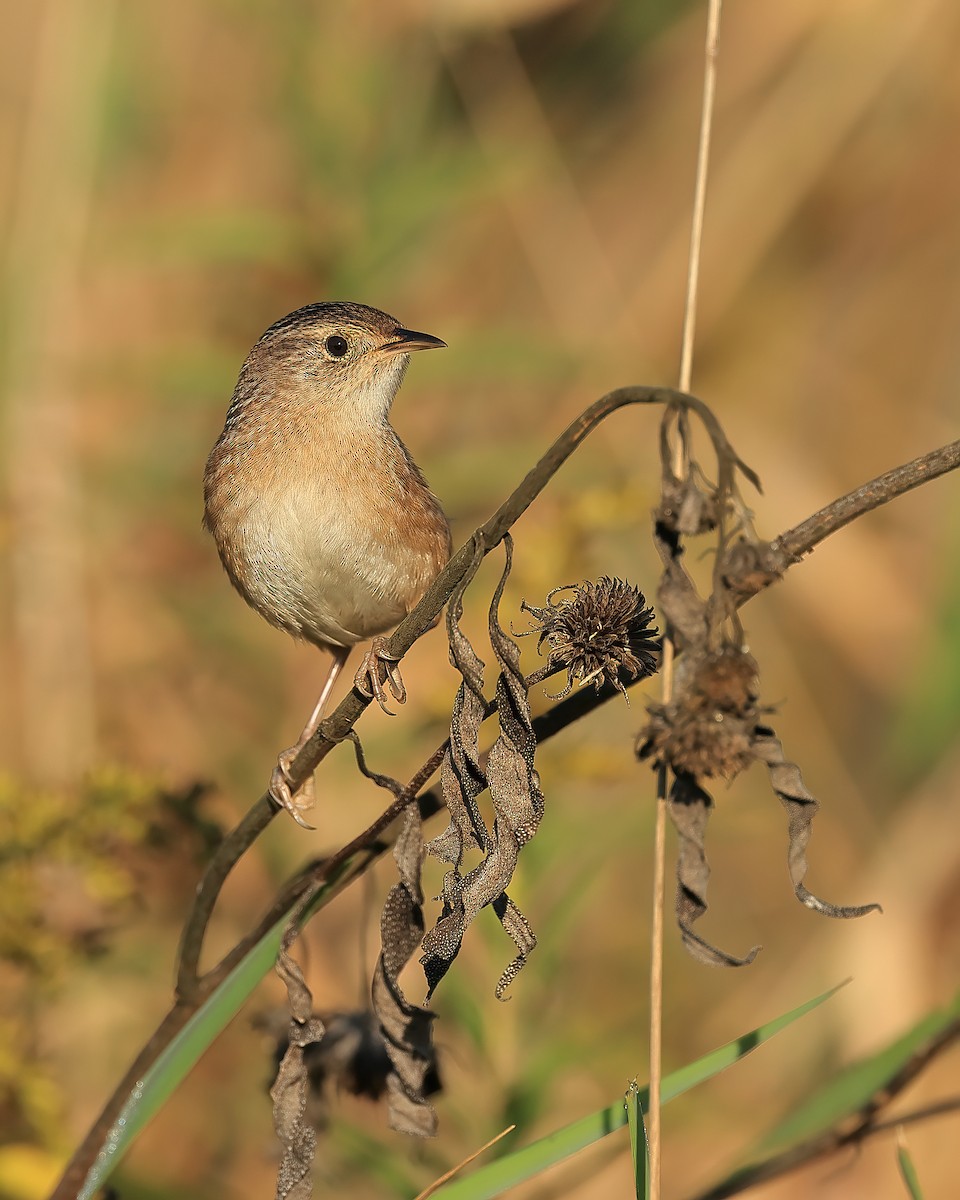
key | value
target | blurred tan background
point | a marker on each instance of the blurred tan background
(515, 178)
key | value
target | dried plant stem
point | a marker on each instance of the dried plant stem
(652, 1119)
(763, 564)
(448, 1175)
(700, 193)
(338, 726)
(654, 1136)
(790, 546)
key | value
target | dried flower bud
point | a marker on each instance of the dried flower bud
(600, 634)
(689, 506)
(707, 729)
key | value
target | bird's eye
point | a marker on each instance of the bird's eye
(336, 345)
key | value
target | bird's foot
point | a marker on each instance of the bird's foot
(295, 803)
(376, 669)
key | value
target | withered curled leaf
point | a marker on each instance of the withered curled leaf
(462, 779)
(690, 504)
(685, 613)
(712, 728)
(689, 806)
(514, 782)
(517, 804)
(407, 1029)
(801, 807)
(290, 1088)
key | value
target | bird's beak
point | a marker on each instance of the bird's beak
(407, 340)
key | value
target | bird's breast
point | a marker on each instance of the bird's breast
(335, 547)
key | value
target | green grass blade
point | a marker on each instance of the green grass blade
(854, 1087)
(850, 1092)
(639, 1149)
(907, 1170)
(523, 1164)
(176, 1061)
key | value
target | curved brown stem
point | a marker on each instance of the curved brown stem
(418, 622)
(763, 564)
(800, 540)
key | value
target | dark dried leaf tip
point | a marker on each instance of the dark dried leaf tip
(601, 634)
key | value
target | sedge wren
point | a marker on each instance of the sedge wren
(323, 521)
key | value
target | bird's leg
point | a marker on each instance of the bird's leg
(377, 668)
(280, 779)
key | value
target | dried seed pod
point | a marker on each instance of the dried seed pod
(707, 729)
(601, 634)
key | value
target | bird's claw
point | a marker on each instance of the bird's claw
(295, 803)
(376, 669)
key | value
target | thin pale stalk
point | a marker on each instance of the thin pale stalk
(666, 671)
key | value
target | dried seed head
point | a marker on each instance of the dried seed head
(700, 743)
(727, 681)
(707, 729)
(600, 634)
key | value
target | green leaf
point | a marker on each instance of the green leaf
(907, 1170)
(639, 1150)
(854, 1087)
(523, 1164)
(176, 1061)
(850, 1092)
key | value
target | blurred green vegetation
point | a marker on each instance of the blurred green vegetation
(516, 178)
